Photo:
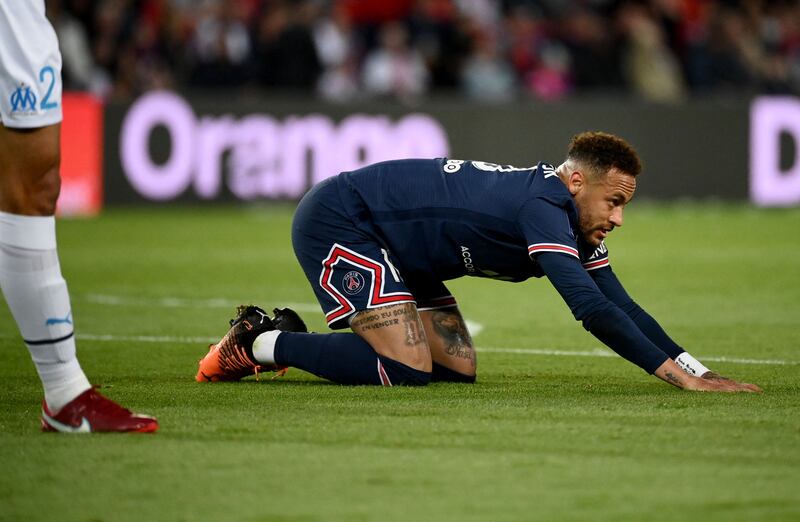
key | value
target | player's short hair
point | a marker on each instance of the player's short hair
(601, 152)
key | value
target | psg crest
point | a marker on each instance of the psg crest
(353, 282)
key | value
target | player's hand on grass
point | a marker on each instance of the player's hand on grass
(671, 373)
(740, 386)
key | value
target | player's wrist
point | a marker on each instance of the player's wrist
(691, 365)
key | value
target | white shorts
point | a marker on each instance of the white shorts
(30, 66)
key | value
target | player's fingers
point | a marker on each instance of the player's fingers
(751, 387)
(716, 386)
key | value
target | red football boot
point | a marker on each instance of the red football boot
(90, 412)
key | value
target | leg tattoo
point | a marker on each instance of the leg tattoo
(451, 328)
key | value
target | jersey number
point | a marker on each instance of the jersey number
(46, 103)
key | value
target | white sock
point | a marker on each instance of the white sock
(36, 293)
(264, 347)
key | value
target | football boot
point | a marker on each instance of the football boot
(287, 320)
(90, 412)
(231, 358)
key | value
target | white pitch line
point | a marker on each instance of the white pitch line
(146, 339)
(179, 302)
(602, 353)
(597, 352)
(561, 353)
(474, 327)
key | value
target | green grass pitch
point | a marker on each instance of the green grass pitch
(552, 431)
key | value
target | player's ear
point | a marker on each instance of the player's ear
(575, 182)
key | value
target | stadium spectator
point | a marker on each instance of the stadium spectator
(394, 67)
(221, 46)
(595, 51)
(652, 70)
(377, 243)
(337, 46)
(286, 55)
(74, 45)
(486, 76)
(556, 49)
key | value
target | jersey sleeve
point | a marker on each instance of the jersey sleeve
(597, 259)
(599, 315)
(608, 283)
(547, 228)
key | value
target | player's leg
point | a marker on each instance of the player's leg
(395, 331)
(449, 341)
(29, 170)
(30, 275)
(36, 292)
(452, 350)
(256, 344)
(387, 348)
(357, 286)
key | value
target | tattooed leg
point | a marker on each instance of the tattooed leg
(395, 331)
(449, 340)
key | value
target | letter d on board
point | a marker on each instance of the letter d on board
(769, 185)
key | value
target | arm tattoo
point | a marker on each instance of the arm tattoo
(451, 329)
(674, 379)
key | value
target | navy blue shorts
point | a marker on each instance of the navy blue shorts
(346, 262)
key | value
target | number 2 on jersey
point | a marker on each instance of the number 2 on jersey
(46, 103)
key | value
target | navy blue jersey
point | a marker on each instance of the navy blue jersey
(449, 218)
(443, 218)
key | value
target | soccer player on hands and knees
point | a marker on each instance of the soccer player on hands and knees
(377, 243)
(30, 276)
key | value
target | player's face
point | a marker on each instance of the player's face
(600, 203)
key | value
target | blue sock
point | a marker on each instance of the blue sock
(344, 358)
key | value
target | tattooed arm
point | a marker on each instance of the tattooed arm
(671, 373)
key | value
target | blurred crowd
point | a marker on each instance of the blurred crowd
(659, 50)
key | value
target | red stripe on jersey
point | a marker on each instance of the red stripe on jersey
(383, 376)
(596, 264)
(553, 247)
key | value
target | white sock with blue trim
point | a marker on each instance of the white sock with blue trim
(36, 293)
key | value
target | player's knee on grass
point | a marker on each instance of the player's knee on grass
(29, 170)
(444, 374)
(401, 374)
